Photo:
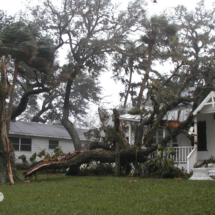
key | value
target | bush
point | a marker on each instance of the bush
(162, 168)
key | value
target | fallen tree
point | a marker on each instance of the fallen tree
(77, 158)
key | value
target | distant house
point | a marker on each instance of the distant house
(30, 137)
(203, 131)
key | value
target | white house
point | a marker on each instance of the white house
(30, 137)
(203, 131)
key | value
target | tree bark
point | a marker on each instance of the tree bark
(11, 95)
(145, 80)
(24, 102)
(65, 120)
(117, 161)
(6, 149)
(129, 87)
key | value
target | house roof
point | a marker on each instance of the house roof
(130, 117)
(42, 130)
(179, 113)
(209, 100)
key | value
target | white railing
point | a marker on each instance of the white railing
(182, 153)
(192, 159)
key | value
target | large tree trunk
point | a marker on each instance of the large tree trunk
(129, 86)
(11, 95)
(117, 161)
(7, 161)
(65, 120)
(146, 77)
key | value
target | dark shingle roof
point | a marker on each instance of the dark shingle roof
(43, 130)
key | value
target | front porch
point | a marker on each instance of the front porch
(202, 130)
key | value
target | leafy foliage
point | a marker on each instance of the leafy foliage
(57, 152)
(205, 162)
(96, 168)
(41, 153)
(163, 166)
(33, 158)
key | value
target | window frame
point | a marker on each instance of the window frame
(170, 143)
(53, 144)
(20, 144)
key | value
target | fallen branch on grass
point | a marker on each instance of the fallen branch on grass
(77, 158)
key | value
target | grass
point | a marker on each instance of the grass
(59, 194)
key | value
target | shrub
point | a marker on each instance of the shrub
(24, 165)
(162, 167)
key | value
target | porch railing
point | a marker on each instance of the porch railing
(192, 159)
(180, 155)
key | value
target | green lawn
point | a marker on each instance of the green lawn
(61, 194)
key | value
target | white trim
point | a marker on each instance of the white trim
(192, 159)
(205, 102)
(129, 119)
(130, 133)
(37, 135)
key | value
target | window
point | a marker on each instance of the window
(159, 135)
(202, 136)
(53, 144)
(21, 144)
(173, 142)
(15, 143)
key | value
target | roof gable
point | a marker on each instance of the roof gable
(209, 100)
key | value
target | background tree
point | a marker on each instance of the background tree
(84, 92)
(125, 64)
(19, 42)
(90, 29)
(194, 63)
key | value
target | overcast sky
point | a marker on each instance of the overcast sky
(110, 88)
(13, 6)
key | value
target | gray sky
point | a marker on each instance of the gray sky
(13, 6)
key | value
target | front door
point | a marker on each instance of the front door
(202, 136)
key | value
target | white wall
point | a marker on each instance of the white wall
(39, 143)
(183, 140)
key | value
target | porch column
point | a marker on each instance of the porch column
(196, 135)
(195, 129)
(129, 135)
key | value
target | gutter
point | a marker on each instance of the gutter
(129, 120)
(35, 135)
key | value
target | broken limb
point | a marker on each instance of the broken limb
(77, 158)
